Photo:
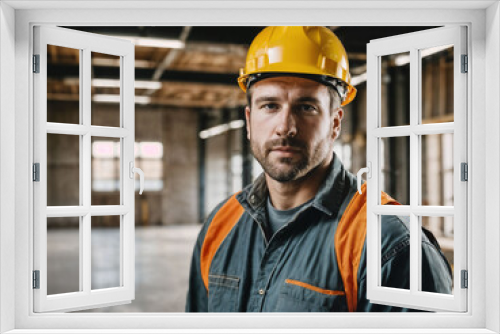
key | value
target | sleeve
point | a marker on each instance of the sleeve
(436, 274)
(436, 271)
(197, 296)
(395, 274)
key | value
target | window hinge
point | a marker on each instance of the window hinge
(465, 279)
(36, 172)
(36, 63)
(36, 279)
(465, 64)
(464, 172)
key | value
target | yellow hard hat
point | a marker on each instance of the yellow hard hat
(312, 52)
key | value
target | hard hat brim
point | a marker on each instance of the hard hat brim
(245, 81)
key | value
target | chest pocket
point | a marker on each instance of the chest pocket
(297, 296)
(223, 293)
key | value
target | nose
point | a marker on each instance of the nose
(287, 126)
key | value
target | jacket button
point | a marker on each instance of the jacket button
(261, 292)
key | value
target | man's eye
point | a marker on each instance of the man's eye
(270, 106)
(307, 108)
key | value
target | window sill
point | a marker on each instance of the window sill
(247, 331)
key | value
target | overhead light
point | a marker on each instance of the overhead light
(156, 42)
(147, 84)
(359, 79)
(115, 83)
(402, 60)
(220, 129)
(431, 51)
(113, 98)
(237, 124)
(115, 62)
(405, 59)
(106, 98)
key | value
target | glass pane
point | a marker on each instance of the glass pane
(63, 255)
(106, 252)
(106, 171)
(395, 168)
(63, 84)
(394, 254)
(437, 267)
(437, 169)
(105, 90)
(63, 170)
(437, 84)
(395, 89)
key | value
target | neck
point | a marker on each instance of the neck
(288, 195)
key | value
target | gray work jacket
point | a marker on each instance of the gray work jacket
(296, 269)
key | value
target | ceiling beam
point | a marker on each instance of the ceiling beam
(169, 58)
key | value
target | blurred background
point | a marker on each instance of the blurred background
(190, 141)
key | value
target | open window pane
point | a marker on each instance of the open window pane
(63, 84)
(438, 233)
(394, 258)
(106, 88)
(395, 89)
(63, 170)
(63, 159)
(63, 255)
(437, 169)
(437, 84)
(106, 252)
(436, 198)
(395, 168)
(106, 179)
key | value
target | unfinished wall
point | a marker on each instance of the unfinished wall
(175, 204)
(180, 187)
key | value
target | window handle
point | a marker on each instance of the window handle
(139, 171)
(368, 171)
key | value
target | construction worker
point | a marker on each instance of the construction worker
(294, 240)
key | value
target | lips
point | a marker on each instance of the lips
(285, 146)
(285, 151)
(290, 149)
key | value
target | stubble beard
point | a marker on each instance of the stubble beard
(286, 169)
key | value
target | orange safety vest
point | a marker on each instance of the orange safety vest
(349, 239)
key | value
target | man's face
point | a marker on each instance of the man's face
(291, 126)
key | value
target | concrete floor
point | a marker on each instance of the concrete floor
(162, 260)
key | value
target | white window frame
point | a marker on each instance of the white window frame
(483, 21)
(414, 43)
(86, 297)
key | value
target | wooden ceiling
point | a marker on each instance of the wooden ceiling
(202, 74)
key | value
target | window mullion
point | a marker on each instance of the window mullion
(123, 175)
(414, 175)
(86, 167)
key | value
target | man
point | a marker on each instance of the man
(294, 240)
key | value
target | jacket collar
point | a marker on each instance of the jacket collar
(328, 199)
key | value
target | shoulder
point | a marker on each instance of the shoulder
(395, 235)
(395, 241)
(211, 216)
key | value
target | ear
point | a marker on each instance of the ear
(247, 116)
(337, 122)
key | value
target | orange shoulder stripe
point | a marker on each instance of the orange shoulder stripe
(349, 241)
(222, 223)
